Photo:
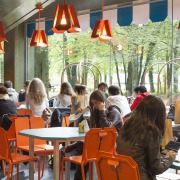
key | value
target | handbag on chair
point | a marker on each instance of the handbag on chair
(6, 122)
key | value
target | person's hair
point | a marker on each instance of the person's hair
(99, 96)
(102, 84)
(66, 88)
(148, 116)
(8, 84)
(142, 89)
(113, 90)
(27, 83)
(36, 91)
(3, 90)
(79, 88)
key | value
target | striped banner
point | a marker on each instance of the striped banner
(124, 16)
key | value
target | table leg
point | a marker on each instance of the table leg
(67, 165)
(31, 153)
(56, 160)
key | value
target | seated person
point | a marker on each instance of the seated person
(116, 99)
(7, 106)
(22, 93)
(81, 100)
(102, 86)
(140, 93)
(141, 138)
(63, 99)
(100, 117)
(13, 95)
(36, 98)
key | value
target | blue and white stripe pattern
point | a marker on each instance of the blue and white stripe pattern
(124, 16)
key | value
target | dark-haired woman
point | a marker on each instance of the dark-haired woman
(141, 138)
(7, 106)
(100, 118)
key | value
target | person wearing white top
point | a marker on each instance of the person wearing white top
(36, 98)
(116, 99)
(63, 99)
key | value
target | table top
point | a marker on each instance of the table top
(56, 133)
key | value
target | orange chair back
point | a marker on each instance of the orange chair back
(35, 123)
(98, 139)
(23, 111)
(4, 148)
(65, 121)
(11, 133)
(116, 167)
(21, 123)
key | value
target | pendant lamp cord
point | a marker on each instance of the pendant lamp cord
(39, 20)
(64, 2)
(102, 9)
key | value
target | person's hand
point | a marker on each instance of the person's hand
(102, 106)
(79, 110)
(172, 154)
(88, 107)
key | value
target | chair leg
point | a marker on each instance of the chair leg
(90, 170)
(17, 173)
(3, 168)
(82, 170)
(44, 160)
(9, 176)
(62, 168)
(38, 169)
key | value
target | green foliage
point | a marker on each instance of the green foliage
(154, 38)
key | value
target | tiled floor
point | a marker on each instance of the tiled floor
(24, 173)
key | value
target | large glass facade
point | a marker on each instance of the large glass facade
(138, 54)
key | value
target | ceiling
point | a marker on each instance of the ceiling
(14, 12)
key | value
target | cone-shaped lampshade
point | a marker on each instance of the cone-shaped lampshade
(102, 30)
(65, 19)
(1, 49)
(179, 25)
(39, 39)
(2, 35)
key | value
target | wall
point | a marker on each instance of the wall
(14, 63)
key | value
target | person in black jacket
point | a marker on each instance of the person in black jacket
(141, 138)
(7, 106)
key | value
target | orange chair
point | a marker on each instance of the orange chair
(23, 111)
(65, 121)
(22, 142)
(35, 123)
(116, 167)
(13, 158)
(95, 140)
(11, 135)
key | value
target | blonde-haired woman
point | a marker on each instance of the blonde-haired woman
(36, 99)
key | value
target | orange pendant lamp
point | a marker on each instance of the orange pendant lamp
(102, 29)
(65, 19)
(1, 49)
(38, 38)
(2, 35)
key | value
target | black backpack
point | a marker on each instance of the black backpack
(57, 115)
